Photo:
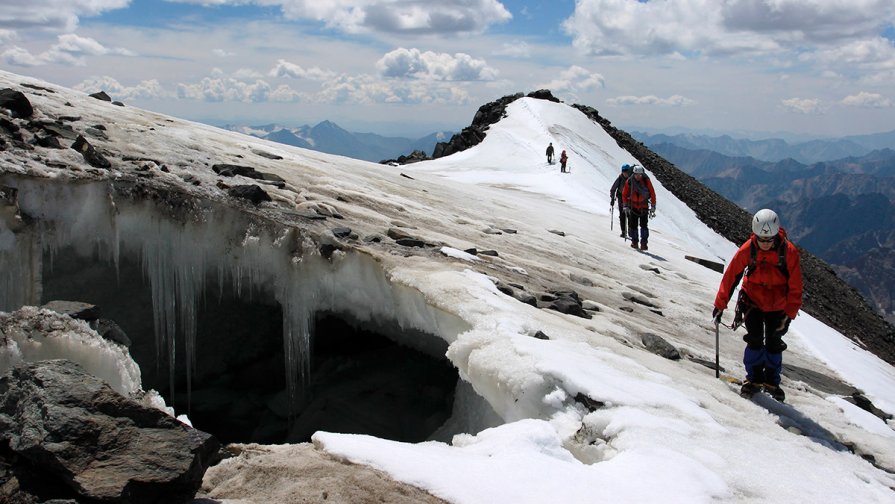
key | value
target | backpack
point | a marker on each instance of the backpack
(639, 187)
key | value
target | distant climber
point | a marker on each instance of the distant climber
(615, 193)
(563, 159)
(550, 153)
(637, 196)
(769, 299)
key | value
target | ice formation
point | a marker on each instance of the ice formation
(188, 242)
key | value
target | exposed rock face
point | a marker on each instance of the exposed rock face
(65, 434)
(487, 115)
(302, 473)
(414, 157)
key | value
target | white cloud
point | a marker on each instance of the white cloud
(367, 89)
(293, 71)
(53, 15)
(19, 57)
(710, 27)
(802, 105)
(413, 64)
(575, 78)
(389, 16)
(286, 94)
(221, 53)
(877, 53)
(148, 89)
(515, 49)
(70, 49)
(224, 89)
(671, 101)
(868, 100)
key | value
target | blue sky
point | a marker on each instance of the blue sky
(409, 67)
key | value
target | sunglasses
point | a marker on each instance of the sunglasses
(765, 240)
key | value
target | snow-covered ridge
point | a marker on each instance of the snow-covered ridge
(697, 437)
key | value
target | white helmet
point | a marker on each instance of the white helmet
(638, 169)
(765, 224)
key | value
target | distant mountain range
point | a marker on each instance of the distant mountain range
(329, 137)
(776, 149)
(841, 210)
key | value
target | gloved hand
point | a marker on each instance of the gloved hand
(627, 209)
(652, 211)
(716, 315)
(784, 325)
(612, 202)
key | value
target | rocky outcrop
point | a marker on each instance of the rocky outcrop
(65, 434)
(414, 157)
(487, 115)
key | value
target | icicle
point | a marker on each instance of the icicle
(297, 350)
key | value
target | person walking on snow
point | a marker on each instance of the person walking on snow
(769, 299)
(563, 159)
(550, 153)
(637, 196)
(615, 193)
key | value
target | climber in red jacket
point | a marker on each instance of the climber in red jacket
(769, 299)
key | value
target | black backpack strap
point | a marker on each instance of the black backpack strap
(781, 258)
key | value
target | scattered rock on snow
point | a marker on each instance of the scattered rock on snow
(659, 346)
(252, 193)
(91, 155)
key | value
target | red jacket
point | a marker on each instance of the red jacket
(767, 286)
(638, 194)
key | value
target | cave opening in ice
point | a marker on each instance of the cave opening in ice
(235, 320)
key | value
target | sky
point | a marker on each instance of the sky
(411, 67)
(668, 431)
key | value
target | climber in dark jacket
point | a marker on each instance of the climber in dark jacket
(615, 194)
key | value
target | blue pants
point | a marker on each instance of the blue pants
(763, 356)
(638, 219)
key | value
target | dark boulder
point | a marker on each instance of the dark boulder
(101, 95)
(65, 434)
(91, 155)
(253, 193)
(16, 102)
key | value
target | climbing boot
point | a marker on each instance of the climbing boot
(748, 389)
(775, 391)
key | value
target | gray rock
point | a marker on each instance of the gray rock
(15, 102)
(657, 345)
(74, 432)
(253, 193)
(91, 155)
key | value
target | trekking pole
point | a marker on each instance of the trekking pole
(611, 212)
(717, 360)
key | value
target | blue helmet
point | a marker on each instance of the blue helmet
(626, 167)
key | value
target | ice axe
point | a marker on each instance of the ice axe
(725, 377)
(611, 213)
(717, 358)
